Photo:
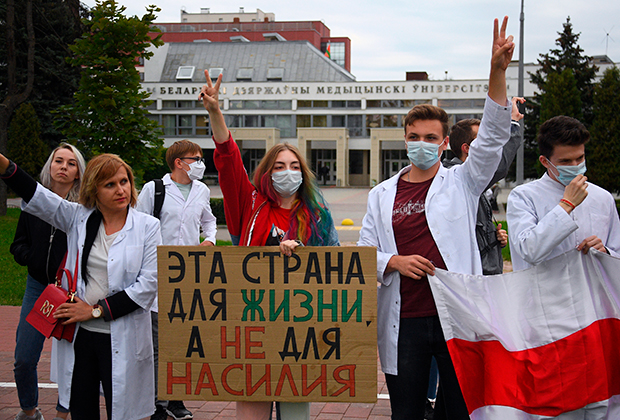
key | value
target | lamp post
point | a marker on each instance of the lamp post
(520, 93)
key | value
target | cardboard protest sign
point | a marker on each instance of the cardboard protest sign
(251, 324)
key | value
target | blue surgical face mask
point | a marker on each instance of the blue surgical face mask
(567, 173)
(422, 154)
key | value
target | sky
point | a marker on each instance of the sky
(391, 37)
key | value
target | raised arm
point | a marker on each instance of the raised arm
(210, 96)
(503, 47)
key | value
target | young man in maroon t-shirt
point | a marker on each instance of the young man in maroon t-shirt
(424, 217)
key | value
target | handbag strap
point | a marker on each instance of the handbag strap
(71, 279)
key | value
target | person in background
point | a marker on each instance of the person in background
(491, 239)
(283, 207)
(185, 209)
(113, 248)
(41, 248)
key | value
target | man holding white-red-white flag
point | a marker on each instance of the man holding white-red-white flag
(543, 342)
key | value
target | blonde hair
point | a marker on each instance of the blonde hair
(98, 170)
(46, 173)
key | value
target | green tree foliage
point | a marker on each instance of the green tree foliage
(56, 24)
(568, 55)
(25, 144)
(109, 113)
(603, 150)
(561, 97)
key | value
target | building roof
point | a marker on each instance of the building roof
(301, 62)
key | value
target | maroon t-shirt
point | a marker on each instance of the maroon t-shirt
(413, 237)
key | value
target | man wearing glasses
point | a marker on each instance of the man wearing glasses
(185, 209)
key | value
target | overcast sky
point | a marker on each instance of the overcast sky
(391, 37)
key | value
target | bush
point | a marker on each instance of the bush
(217, 207)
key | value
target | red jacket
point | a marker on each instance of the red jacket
(247, 210)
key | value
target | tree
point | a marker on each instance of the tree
(568, 55)
(603, 150)
(109, 113)
(56, 25)
(25, 144)
(561, 97)
(15, 94)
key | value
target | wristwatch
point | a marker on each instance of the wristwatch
(97, 311)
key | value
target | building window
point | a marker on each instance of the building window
(275, 73)
(185, 72)
(356, 162)
(260, 104)
(339, 121)
(181, 104)
(245, 74)
(355, 126)
(186, 125)
(304, 121)
(319, 121)
(337, 51)
(214, 73)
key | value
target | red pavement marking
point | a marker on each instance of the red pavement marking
(215, 410)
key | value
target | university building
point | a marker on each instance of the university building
(280, 89)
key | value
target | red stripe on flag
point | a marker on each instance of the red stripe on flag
(562, 376)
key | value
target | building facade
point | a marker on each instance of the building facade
(277, 90)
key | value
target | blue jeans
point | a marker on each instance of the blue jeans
(28, 347)
(419, 339)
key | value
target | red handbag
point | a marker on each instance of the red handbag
(41, 316)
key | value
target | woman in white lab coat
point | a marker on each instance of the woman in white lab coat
(116, 251)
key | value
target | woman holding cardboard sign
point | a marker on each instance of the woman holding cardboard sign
(115, 250)
(284, 207)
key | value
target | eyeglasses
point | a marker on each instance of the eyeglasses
(195, 159)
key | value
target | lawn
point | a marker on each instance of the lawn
(12, 275)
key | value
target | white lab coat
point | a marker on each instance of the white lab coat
(451, 206)
(181, 219)
(132, 267)
(540, 229)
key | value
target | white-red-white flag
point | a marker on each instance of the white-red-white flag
(539, 343)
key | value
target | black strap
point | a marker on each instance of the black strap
(160, 194)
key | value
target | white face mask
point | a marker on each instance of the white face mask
(286, 182)
(196, 170)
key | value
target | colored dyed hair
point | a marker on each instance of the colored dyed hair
(310, 220)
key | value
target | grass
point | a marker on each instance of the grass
(12, 275)
(506, 249)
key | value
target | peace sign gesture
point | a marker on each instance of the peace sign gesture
(503, 46)
(210, 96)
(209, 93)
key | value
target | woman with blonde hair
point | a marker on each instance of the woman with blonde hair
(283, 207)
(112, 253)
(41, 248)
